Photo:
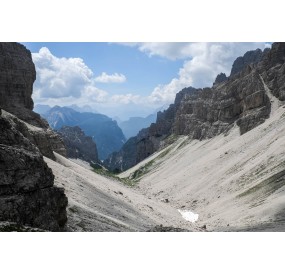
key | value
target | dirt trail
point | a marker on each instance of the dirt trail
(275, 102)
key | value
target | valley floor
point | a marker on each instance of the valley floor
(233, 183)
(97, 203)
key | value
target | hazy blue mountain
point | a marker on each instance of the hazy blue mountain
(41, 109)
(83, 109)
(106, 133)
(133, 125)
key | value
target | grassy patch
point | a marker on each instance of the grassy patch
(185, 142)
(108, 174)
(268, 186)
(141, 171)
(163, 154)
(135, 176)
(171, 139)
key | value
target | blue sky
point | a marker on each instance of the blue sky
(127, 79)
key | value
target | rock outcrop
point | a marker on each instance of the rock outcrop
(272, 69)
(220, 78)
(249, 57)
(104, 131)
(27, 194)
(78, 145)
(17, 75)
(204, 113)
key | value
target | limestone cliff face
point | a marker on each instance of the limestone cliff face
(205, 113)
(17, 75)
(27, 194)
(220, 78)
(249, 57)
(272, 69)
(79, 145)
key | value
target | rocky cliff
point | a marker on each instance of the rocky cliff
(220, 78)
(104, 131)
(249, 57)
(27, 194)
(204, 113)
(78, 145)
(17, 75)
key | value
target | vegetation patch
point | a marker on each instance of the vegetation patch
(135, 176)
(164, 153)
(142, 171)
(184, 143)
(111, 175)
(171, 139)
(268, 186)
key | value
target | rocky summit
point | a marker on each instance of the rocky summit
(241, 99)
(27, 193)
(78, 145)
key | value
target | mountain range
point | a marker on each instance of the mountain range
(213, 161)
(240, 99)
(133, 125)
(104, 131)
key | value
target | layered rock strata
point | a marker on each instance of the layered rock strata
(27, 194)
(78, 145)
(204, 113)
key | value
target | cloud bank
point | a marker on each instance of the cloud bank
(110, 78)
(203, 62)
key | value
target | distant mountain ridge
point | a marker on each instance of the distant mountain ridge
(104, 131)
(133, 125)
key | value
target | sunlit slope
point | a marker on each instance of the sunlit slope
(232, 182)
(97, 203)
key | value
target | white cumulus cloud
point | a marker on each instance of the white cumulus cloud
(69, 81)
(110, 78)
(59, 77)
(204, 61)
(126, 98)
(66, 81)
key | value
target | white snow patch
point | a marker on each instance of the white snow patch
(189, 215)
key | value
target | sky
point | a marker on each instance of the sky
(127, 79)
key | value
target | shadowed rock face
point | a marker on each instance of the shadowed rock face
(17, 75)
(78, 145)
(205, 113)
(27, 194)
